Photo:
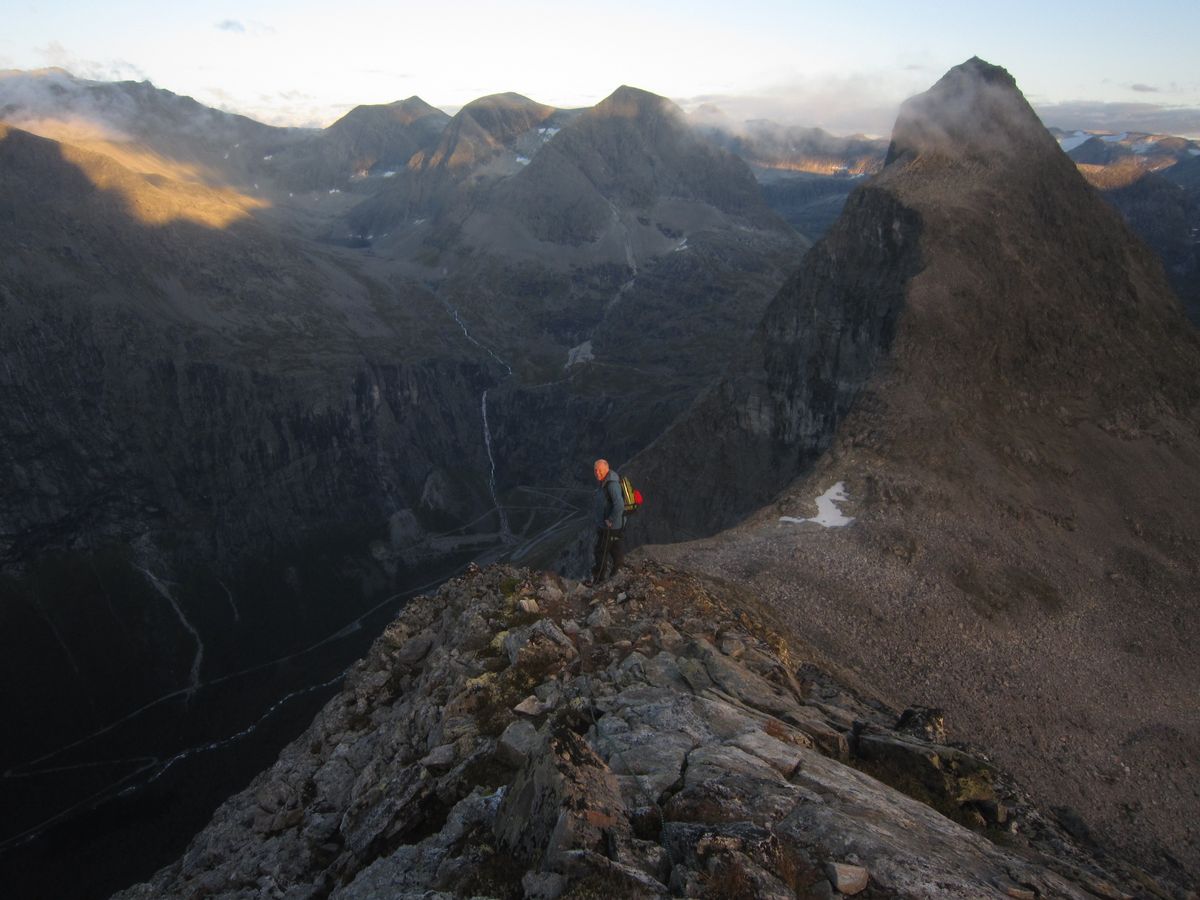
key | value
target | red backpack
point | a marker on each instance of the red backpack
(633, 497)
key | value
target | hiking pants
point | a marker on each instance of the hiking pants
(610, 548)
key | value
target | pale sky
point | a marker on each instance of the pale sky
(842, 66)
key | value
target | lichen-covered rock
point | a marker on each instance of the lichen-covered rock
(668, 749)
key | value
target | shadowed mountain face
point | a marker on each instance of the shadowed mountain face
(999, 373)
(1151, 179)
(1163, 208)
(189, 405)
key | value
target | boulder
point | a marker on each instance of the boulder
(539, 649)
(516, 743)
(847, 879)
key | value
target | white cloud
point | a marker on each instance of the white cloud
(864, 103)
(234, 26)
(57, 56)
(1086, 115)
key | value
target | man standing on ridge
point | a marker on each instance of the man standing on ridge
(610, 521)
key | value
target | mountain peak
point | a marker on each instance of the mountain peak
(983, 70)
(975, 110)
(509, 100)
(504, 116)
(415, 107)
(635, 103)
(400, 113)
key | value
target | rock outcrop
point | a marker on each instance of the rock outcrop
(517, 735)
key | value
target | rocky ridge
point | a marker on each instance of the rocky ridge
(520, 735)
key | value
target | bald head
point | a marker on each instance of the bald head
(600, 469)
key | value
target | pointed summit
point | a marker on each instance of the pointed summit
(976, 110)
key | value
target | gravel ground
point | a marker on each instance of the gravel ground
(1065, 649)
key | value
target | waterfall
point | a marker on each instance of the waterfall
(505, 531)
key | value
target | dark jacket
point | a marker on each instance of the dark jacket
(610, 502)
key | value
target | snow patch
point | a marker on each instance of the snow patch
(268, 157)
(548, 133)
(682, 245)
(390, 173)
(1193, 151)
(334, 191)
(1070, 143)
(828, 515)
(523, 160)
(1115, 138)
(581, 354)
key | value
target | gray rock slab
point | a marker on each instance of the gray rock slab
(439, 758)
(908, 847)
(781, 756)
(655, 756)
(516, 743)
(714, 761)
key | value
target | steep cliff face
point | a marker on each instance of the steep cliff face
(191, 415)
(819, 341)
(1022, 467)
(521, 736)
